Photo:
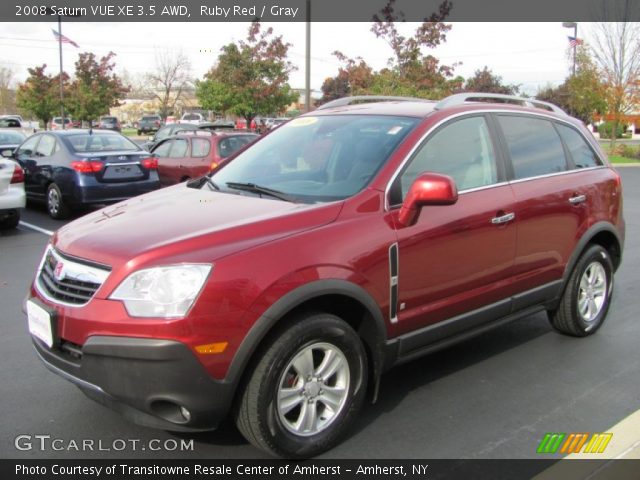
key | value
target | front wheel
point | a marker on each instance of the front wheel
(587, 296)
(305, 389)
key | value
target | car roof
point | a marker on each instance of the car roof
(80, 131)
(417, 109)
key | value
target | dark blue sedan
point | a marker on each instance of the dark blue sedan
(72, 168)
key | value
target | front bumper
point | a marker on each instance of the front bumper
(146, 380)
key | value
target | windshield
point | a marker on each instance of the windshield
(316, 159)
(150, 119)
(99, 142)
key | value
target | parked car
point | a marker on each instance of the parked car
(276, 122)
(56, 123)
(195, 118)
(109, 123)
(191, 154)
(241, 124)
(170, 119)
(12, 196)
(349, 240)
(71, 168)
(9, 140)
(165, 132)
(149, 124)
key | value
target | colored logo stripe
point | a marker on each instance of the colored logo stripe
(551, 442)
(574, 443)
(598, 443)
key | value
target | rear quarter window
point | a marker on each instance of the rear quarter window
(533, 145)
(581, 152)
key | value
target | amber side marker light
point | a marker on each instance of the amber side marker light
(212, 347)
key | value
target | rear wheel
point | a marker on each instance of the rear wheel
(586, 299)
(56, 206)
(305, 389)
(12, 221)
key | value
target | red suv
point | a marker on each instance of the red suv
(357, 237)
(191, 154)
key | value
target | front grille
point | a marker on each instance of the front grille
(68, 281)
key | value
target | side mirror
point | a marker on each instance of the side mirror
(8, 153)
(427, 189)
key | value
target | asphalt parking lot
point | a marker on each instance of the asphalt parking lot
(494, 396)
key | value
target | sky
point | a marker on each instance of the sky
(532, 55)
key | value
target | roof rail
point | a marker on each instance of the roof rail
(461, 98)
(344, 101)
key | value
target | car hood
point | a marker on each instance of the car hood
(180, 224)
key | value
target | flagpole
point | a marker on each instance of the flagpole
(575, 47)
(61, 80)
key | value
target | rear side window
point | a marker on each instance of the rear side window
(230, 145)
(534, 146)
(179, 149)
(200, 147)
(582, 154)
(162, 150)
(46, 146)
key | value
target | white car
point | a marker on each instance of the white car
(12, 196)
(195, 118)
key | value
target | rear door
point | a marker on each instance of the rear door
(161, 152)
(26, 157)
(550, 195)
(457, 258)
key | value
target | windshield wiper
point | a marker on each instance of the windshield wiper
(199, 183)
(252, 187)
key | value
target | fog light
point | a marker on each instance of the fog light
(185, 413)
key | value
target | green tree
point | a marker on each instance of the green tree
(95, 88)
(486, 81)
(40, 94)
(409, 71)
(250, 78)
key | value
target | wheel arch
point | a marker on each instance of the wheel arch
(342, 298)
(603, 234)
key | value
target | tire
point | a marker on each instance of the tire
(277, 424)
(587, 296)
(56, 207)
(11, 222)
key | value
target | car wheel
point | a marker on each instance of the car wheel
(11, 222)
(585, 302)
(305, 389)
(55, 204)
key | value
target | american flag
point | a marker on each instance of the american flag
(574, 42)
(63, 39)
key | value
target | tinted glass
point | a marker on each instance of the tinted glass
(462, 150)
(9, 123)
(27, 148)
(582, 154)
(8, 138)
(200, 147)
(46, 146)
(164, 132)
(162, 150)
(179, 149)
(99, 142)
(230, 145)
(151, 119)
(315, 159)
(534, 146)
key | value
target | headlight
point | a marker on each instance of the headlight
(162, 291)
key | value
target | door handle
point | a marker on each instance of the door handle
(577, 199)
(507, 217)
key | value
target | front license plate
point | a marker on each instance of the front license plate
(39, 323)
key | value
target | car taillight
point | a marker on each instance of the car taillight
(150, 163)
(87, 166)
(18, 175)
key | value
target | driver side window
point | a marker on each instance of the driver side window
(461, 150)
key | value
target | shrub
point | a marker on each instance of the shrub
(605, 130)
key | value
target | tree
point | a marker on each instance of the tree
(409, 71)
(616, 49)
(250, 78)
(95, 88)
(170, 80)
(582, 94)
(486, 81)
(7, 94)
(40, 95)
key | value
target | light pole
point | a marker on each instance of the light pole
(573, 25)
